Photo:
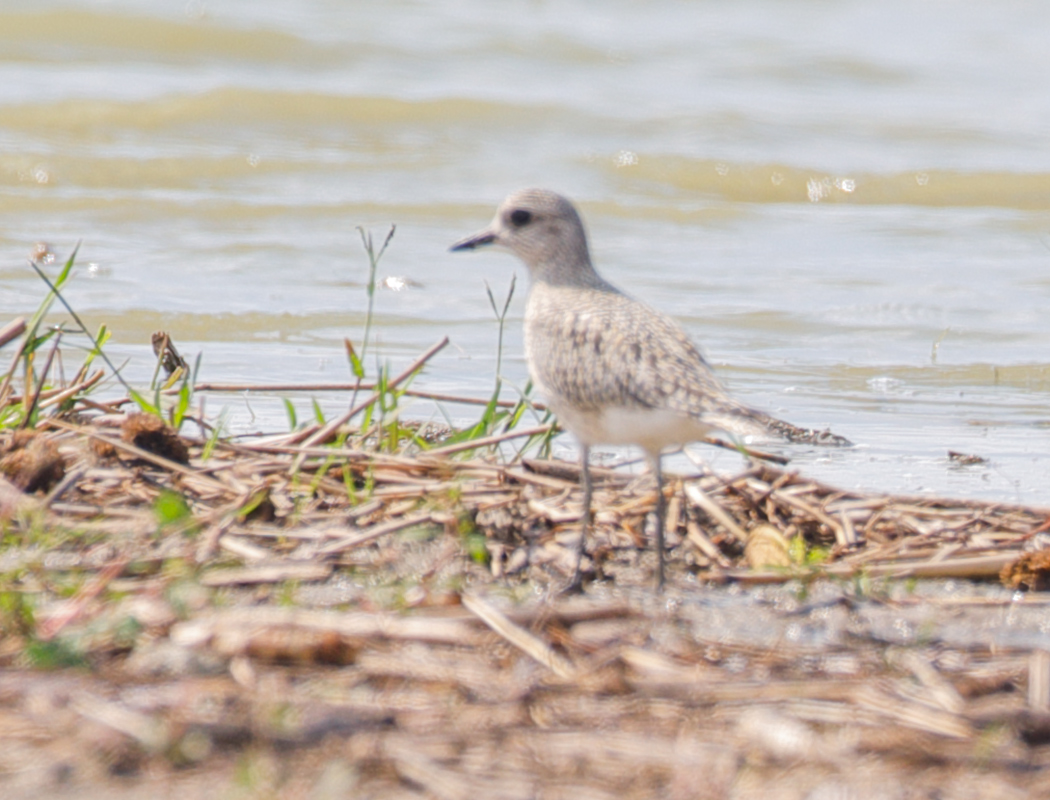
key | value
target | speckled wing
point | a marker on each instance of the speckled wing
(636, 357)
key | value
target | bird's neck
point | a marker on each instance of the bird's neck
(561, 272)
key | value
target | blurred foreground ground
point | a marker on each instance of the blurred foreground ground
(265, 619)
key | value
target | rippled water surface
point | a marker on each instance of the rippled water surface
(846, 204)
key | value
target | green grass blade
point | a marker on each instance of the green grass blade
(289, 410)
(143, 403)
(216, 434)
(54, 286)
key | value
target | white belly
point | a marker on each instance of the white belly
(651, 429)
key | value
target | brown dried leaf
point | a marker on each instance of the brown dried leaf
(766, 547)
(32, 461)
(1030, 571)
(155, 436)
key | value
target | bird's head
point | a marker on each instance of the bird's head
(541, 228)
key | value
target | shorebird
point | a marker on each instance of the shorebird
(613, 370)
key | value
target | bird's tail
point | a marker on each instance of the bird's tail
(744, 421)
(797, 435)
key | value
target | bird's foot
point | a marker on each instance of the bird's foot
(573, 587)
(575, 584)
(584, 572)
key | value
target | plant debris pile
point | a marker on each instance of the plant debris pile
(203, 598)
(365, 607)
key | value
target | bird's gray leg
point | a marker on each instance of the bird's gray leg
(661, 513)
(585, 521)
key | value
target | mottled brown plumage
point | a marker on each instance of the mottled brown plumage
(613, 370)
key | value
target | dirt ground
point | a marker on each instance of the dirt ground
(704, 692)
(341, 689)
(376, 626)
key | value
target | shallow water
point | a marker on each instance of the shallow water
(847, 205)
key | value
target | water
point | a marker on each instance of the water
(846, 204)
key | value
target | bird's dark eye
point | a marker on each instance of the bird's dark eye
(519, 217)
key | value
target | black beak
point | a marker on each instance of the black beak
(477, 240)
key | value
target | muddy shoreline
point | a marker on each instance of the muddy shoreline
(276, 620)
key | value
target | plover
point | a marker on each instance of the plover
(613, 370)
